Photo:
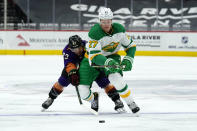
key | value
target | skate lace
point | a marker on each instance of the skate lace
(94, 103)
(49, 101)
(118, 103)
(132, 105)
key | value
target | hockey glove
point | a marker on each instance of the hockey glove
(112, 66)
(74, 77)
(127, 63)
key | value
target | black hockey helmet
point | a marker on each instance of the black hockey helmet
(74, 42)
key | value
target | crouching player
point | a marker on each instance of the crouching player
(73, 54)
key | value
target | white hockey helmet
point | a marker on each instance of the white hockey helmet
(105, 13)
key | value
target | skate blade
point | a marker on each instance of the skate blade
(137, 114)
(121, 110)
(43, 110)
(90, 110)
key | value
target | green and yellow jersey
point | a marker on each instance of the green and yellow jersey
(107, 44)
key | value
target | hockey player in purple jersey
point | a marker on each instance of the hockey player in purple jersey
(73, 53)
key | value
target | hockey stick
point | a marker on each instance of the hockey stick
(111, 66)
(81, 103)
(78, 95)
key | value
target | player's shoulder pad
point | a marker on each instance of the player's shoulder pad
(84, 42)
(65, 48)
(96, 32)
(118, 28)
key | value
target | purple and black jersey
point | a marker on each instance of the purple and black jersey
(71, 57)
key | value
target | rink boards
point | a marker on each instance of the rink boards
(52, 42)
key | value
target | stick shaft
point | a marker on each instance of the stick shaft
(78, 95)
(111, 66)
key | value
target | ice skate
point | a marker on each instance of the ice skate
(95, 102)
(47, 103)
(119, 106)
(134, 108)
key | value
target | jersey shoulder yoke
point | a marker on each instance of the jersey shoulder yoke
(96, 32)
(117, 28)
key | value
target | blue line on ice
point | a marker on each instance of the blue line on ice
(80, 114)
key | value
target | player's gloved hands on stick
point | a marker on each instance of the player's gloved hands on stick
(74, 77)
(127, 63)
(112, 66)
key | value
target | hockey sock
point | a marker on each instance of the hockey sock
(125, 94)
(90, 97)
(55, 90)
(112, 92)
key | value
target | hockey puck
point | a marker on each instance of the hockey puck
(101, 121)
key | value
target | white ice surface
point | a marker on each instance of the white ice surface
(165, 88)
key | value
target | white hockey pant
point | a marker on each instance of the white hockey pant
(85, 93)
(117, 80)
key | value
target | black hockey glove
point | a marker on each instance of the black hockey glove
(74, 77)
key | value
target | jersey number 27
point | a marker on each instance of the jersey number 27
(92, 44)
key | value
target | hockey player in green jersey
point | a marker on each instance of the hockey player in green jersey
(105, 40)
